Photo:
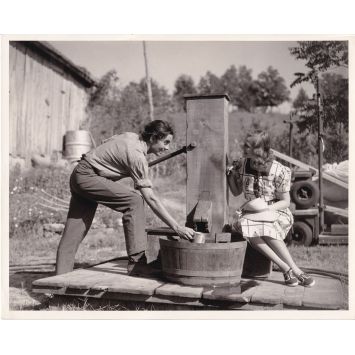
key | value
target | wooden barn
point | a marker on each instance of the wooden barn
(48, 96)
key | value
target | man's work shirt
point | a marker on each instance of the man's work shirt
(121, 156)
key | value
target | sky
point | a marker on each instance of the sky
(169, 59)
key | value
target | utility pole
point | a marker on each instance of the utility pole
(320, 157)
(148, 82)
(290, 122)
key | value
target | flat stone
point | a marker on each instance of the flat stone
(270, 292)
(293, 296)
(327, 293)
(241, 293)
(110, 279)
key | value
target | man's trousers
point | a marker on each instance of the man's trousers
(88, 190)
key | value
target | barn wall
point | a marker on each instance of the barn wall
(45, 102)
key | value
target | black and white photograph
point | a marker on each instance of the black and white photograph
(167, 173)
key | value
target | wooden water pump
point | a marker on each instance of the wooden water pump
(219, 261)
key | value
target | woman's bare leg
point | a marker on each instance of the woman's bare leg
(260, 245)
(280, 248)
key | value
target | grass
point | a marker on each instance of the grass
(332, 258)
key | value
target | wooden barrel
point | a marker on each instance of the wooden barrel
(77, 143)
(210, 264)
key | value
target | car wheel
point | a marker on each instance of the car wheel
(304, 194)
(302, 234)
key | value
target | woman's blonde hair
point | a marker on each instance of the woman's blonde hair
(258, 143)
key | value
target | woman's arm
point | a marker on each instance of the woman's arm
(283, 201)
(159, 209)
(234, 180)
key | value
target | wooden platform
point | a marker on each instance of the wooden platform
(109, 280)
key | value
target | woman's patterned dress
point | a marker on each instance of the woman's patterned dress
(265, 185)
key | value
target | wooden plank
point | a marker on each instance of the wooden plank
(21, 140)
(339, 229)
(334, 180)
(133, 285)
(207, 126)
(102, 279)
(28, 102)
(110, 281)
(160, 231)
(13, 100)
(53, 120)
(203, 213)
(241, 293)
(332, 239)
(51, 111)
(340, 211)
(308, 212)
(47, 110)
(170, 289)
(231, 293)
(36, 107)
(298, 163)
(60, 280)
(223, 237)
(293, 161)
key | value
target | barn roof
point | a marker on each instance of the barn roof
(47, 50)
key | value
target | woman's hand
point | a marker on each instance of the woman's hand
(283, 201)
(184, 232)
(234, 180)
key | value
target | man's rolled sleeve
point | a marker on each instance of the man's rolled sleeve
(138, 167)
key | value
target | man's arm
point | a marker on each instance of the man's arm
(159, 209)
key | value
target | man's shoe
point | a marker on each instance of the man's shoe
(306, 280)
(290, 278)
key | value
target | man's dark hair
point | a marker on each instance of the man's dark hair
(157, 129)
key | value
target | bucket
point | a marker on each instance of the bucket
(210, 264)
(77, 143)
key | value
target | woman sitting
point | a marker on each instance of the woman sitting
(265, 218)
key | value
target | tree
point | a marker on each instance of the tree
(103, 106)
(184, 85)
(134, 105)
(210, 84)
(230, 84)
(320, 56)
(240, 87)
(107, 90)
(333, 88)
(300, 100)
(112, 109)
(272, 90)
(161, 98)
(247, 90)
(334, 93)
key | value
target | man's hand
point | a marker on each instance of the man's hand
(160, 210)
(185, 232)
